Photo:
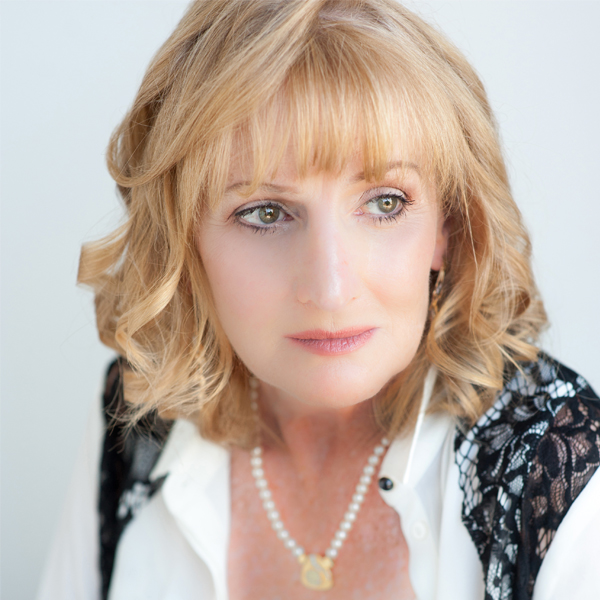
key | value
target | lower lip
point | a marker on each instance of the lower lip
(335, 346)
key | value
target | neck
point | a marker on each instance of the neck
(315, 437)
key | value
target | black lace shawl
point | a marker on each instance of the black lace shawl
(521, 467)
(128, 456)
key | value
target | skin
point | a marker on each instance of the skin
(330, 260)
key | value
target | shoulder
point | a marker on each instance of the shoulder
(542, 403)
(128, 455)
(523, 465)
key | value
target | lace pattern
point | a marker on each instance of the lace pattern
(522, 466)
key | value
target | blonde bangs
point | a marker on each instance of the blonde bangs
(337, 103)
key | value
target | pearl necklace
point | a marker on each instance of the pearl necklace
(316, 570)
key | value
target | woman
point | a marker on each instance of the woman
(350, 401)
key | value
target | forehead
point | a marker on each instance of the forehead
(252, 164)
(240, 179)
(298, 132)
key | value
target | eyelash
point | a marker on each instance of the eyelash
(403, 203)
(257, 228)
(403, 200)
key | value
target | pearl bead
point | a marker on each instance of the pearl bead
(273, 515)
(353, 507)
(361, 488)
(366, 479)
(298, 551)
(345, 526)
(257, 451)
(277, 525)
(283, 534)
(261, 483)
(341, 534)
(379, 450)
(373, 460)
(368, 470)
(268, 505)
(253, 383)
(264, 494)
(350, 516)
(358, 498)
(256, 461)
(331, 553)
(290, 544)
(257, 473)
(385, 442)
(336, 544)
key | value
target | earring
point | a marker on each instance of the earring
(437, 292)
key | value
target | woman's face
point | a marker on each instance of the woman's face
(322, 284)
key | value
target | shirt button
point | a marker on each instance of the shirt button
(386, 484)
(419, 530)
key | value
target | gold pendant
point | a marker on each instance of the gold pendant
(316, 572)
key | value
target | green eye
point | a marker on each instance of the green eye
(268, 214)
(387, 204)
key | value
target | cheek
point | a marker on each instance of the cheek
(399, 273)
(398, 270)
(244, 282)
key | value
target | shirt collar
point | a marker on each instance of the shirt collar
(197, 494)
(427, 447)
(415, 464)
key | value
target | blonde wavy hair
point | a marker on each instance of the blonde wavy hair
(337, 77)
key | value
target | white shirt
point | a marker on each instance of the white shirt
(176, 547)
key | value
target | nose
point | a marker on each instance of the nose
(328, 268)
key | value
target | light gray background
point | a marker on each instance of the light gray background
(69, 72)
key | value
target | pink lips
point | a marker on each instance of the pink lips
(325, 343)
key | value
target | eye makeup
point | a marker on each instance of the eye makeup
(270, 216)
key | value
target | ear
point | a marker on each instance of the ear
(441, 241)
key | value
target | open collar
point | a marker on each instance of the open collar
(197, 494)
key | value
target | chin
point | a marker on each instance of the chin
(339, 387)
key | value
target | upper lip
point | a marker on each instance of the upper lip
(322, 334)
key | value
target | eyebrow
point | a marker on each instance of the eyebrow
(267, 187)
(278, 189)
(391, 166)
